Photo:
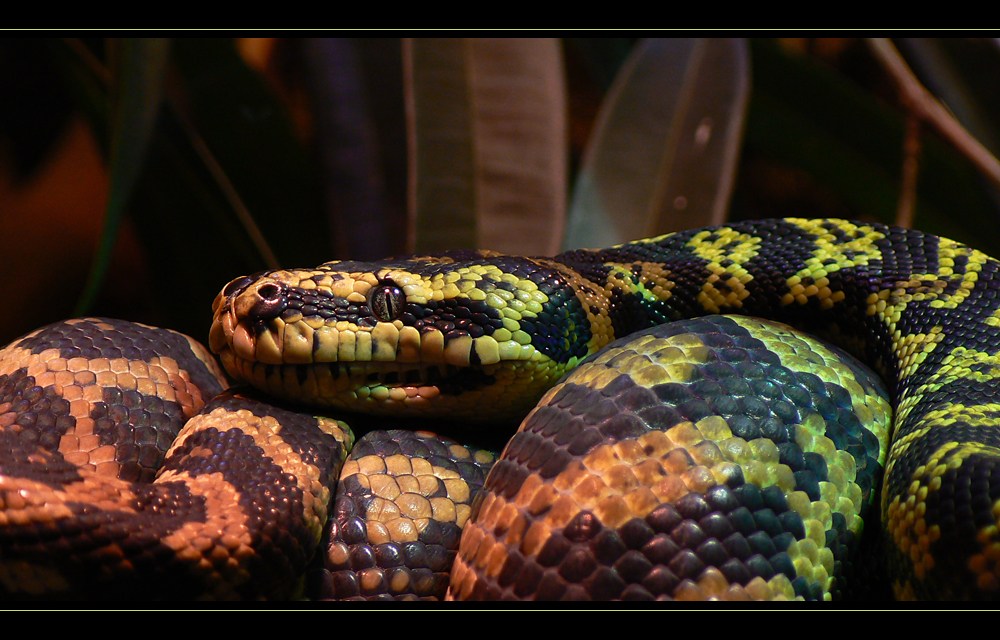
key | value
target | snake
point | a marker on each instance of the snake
(632, 475)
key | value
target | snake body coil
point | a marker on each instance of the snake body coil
(480, 337)
(717, 458)
(237, 504)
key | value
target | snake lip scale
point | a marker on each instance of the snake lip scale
(274, 329)
(342, 382)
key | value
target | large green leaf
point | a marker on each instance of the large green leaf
(218, 185)
(666, 145)
(249, 135)
(600, 58)
(369, 221)
(962, 74)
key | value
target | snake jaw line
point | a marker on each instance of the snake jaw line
(266, 335)
(354, 384)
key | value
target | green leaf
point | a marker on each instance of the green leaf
(136, 93)
(666, 144)
(369, 222)
(87, 82)
(962, 74)
(487, 122)
(601, 58)
(247, 132)
(201, 177)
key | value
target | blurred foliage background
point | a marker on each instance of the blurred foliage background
(138, 176)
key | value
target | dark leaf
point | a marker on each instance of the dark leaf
(136, 92)
(367, 223)
(810, 118)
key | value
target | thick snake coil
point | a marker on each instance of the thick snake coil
(641, 475)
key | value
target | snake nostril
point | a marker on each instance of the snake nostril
(270, 301)
(269, 292)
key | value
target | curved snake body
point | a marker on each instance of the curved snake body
(480, 337)
(402, 501)
(238, 501)
(717, 458)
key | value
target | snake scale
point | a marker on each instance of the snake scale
(639, 475)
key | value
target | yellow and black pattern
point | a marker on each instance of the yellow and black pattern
(402, 501)
(453, 334)
(716, 458)
(421, 336)
(89, 410)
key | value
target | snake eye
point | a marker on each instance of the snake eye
(386, 301)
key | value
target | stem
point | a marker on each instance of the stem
(911, 167)
(925, 107)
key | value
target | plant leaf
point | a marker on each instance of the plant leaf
(249, 134)
(666, 144)
(806, 116)
(519, 126)
(442, 203)
(367, 224)
(136, 93)
(488, 143)
(601, 58)
(193, 241)
(961, 73)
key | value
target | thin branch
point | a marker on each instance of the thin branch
(95, 66)
(226, 187)
(911, 166)
(201, 149)
(920, 102)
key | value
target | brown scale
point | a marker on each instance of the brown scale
(115, 399)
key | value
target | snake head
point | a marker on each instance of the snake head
(438, 335)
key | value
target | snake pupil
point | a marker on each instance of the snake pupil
(386, 301)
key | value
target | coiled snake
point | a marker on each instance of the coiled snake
(479, 337)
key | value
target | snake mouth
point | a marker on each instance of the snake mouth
(348, 368)
(348, 384)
